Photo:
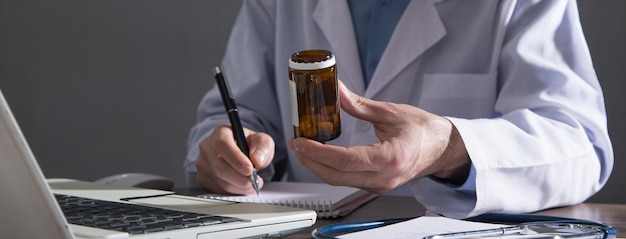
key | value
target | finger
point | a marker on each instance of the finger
(235, 183)
(261, 149)
(217, 176)
(215, 171)
(224, 187)
(363, 108)
(226, 147)
(371, 180)
(352, 159)
(334, 176)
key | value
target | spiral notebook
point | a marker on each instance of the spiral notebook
(327, 200)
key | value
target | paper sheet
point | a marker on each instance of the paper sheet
(420, 227)
(327, 200)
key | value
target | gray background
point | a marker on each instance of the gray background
(106, 87)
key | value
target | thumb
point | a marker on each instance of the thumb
(360, 107)
(261, 149)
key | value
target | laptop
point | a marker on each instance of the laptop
(67, 208)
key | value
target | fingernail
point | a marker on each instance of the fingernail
(343, 86)
(260, 155)
(294, 146)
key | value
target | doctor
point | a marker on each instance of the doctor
(471, 107)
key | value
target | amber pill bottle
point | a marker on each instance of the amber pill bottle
(314, 95)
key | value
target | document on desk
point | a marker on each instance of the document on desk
(421, 227)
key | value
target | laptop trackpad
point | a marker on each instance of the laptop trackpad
(178, 201)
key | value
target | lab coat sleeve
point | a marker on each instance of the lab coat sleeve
(247, 67)
(548, 145)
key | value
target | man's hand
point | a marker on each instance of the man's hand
(413, 144)
(223, 168)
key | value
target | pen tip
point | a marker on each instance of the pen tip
(254, 180)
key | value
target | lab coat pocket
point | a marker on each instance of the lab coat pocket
(459, 95)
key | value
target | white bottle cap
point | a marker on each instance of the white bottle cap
(312, 65)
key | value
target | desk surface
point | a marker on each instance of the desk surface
(385, 207)
(397, 207)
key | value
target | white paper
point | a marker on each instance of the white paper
(421, 227)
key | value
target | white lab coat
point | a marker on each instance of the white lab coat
(515, 78)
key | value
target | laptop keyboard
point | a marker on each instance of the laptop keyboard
(131, 218)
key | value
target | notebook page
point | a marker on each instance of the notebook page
(290, 192)
(327, 200)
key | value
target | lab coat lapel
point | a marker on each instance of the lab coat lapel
(334, 19)
(419, 30)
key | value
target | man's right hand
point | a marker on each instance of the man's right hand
(224, 169)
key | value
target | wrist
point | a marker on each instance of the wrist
(454, 162)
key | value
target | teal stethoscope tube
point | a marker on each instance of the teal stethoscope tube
(328, 231)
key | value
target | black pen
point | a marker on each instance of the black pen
(235, 122)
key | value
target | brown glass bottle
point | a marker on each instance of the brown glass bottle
(314, 95)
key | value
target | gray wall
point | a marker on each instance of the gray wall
(105, 87)
(604, 24)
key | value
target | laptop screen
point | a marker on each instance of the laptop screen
(25, 196)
